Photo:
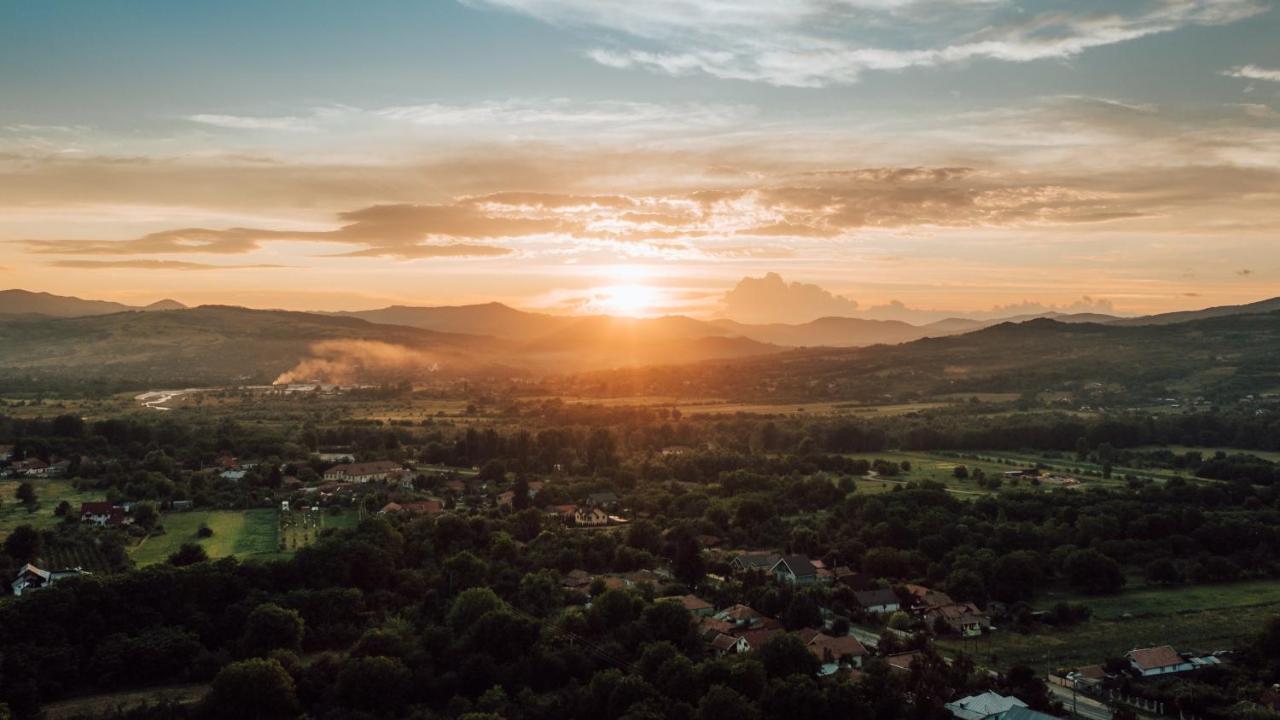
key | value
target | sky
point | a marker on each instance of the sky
(881, 158)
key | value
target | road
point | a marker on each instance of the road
(1085, 707)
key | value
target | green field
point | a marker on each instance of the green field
(933, 467)
(49, 493)
(245, 534)
(1201, 619)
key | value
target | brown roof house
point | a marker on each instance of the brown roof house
(1160, 660)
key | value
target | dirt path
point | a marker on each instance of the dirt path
(98, 704)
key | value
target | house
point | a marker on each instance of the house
(103, 513)
(591, 517)
(742, 616)
(964, 619)
(227, 462)
(181, 505)
(31, 467)
(924, 599)
(31, 577)
(794, 569)
(846, 651)
(6, 453)
(987, 706)
(233, 475)
(563, 513)
(696, 606)
(576, 580)
(421, 507)
(1160, 660)
(902, 662)
(749, 562)
(723, 644)
(879, 602)
(363, 472)
(753, 640)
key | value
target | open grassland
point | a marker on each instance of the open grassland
(1197, 619)
(1157, 601)
(104, 704)
(48, 493)
(250, 534)
(245, 534)
(938, 468)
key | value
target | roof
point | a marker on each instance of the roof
(96, 507)
(903, 661)
(798, 565)
(976, 707)
(365, 468)
(872, 598)
(723, 642)
(1155, 657)
(757, 638)
(740, 613)
(823, 645)
(762, 561)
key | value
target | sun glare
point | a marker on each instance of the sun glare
(630, 300)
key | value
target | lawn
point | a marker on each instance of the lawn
(242, 533)
(934, 467)
(1202, 618)
(48, 493)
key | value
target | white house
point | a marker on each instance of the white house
(590, 517)
(1161, 660)
(31, 577)
(363, 472)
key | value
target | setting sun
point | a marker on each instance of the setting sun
(630, 300)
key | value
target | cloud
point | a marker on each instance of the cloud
(770, 299)
(814, 43)
(1254, 72)
(150, 265)
(385, 230)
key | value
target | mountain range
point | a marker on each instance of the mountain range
(50, 339)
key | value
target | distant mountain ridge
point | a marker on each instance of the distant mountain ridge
(25, 302)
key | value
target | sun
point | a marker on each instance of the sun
(630, 300)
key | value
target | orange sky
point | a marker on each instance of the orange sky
(644, 158)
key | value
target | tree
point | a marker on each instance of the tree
(1093, 572)
(721, 703)
(667, 620)
(271, 627)
(471, 605)
(1162, 571)
(374, 684)
(255, 689)
(63, 509)
(960, 472)
(26, 494)
(145, 516)
(520, 493)
(785, 655)
(1015, 576)
(23, 544)
(967, 586)
(188, 554)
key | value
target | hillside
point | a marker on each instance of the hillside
(216, 345)
(25, 302)
(1223, 358)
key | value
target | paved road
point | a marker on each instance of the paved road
(1085, 707)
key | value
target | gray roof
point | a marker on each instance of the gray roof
(977, 707)
(1026, 713)
(799, 565)
(871, 598)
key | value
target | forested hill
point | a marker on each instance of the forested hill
(1222, 358)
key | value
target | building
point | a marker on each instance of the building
(590, 517)
(749, 562)
(924, 599)
(421, 507)
(1024, 713)
(964, 619)
(1160, 660)
(102, 513)
(987, 706)
(696, 606)
(31, 578)
(794, 569)
(879, 602)
(363, 472)
(844, 651)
